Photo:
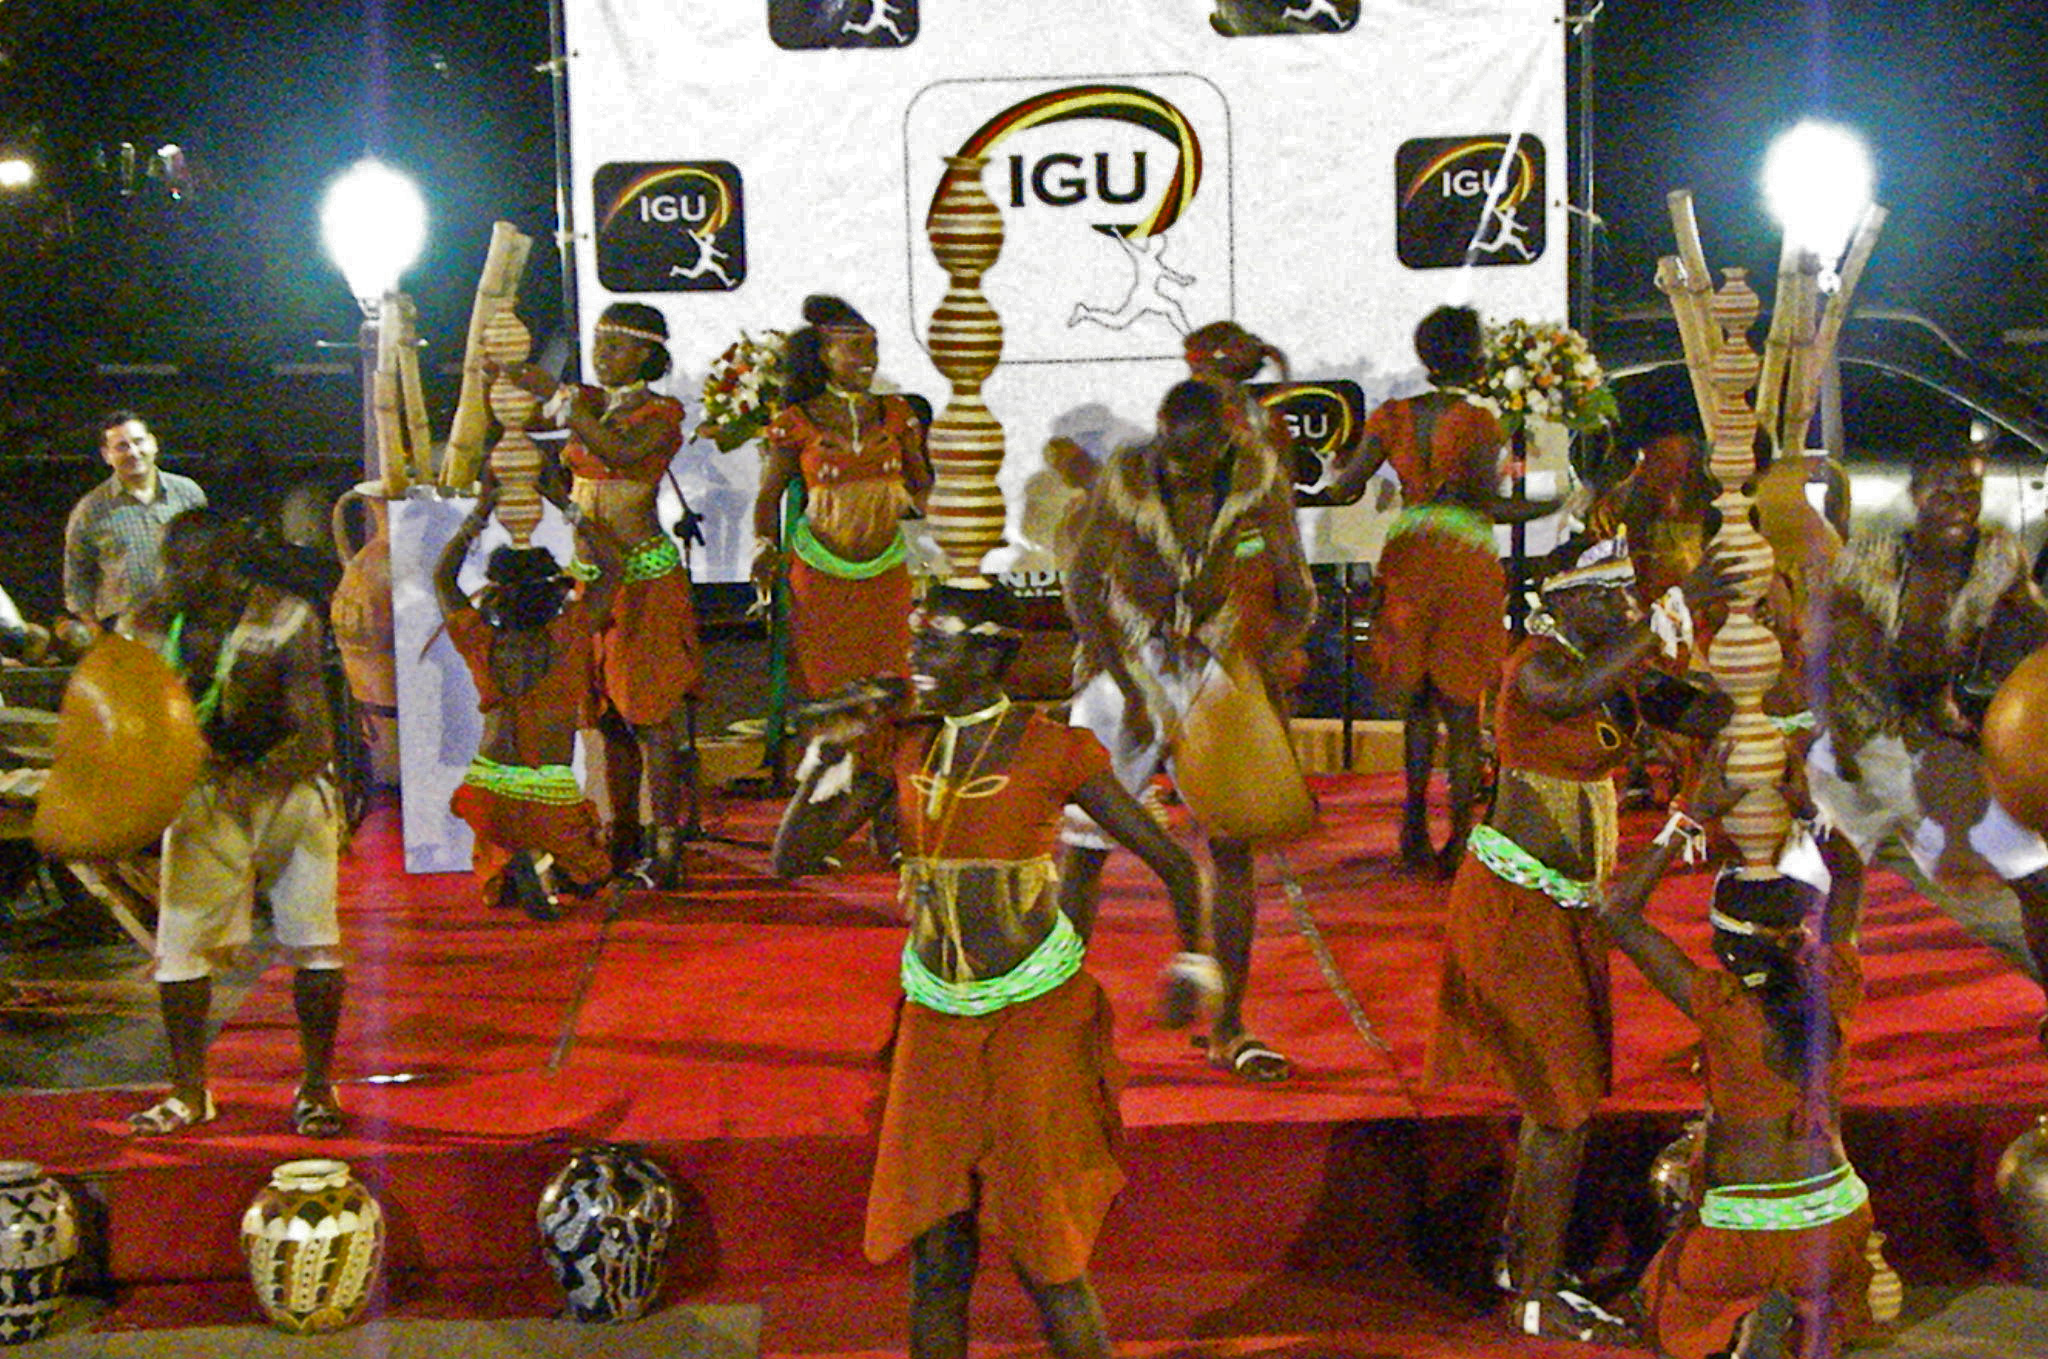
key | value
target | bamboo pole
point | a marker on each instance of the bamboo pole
(504, 262)
(1829, 331)
(1777, 356)
(384, 384)
(413, 399)
(1693, 334)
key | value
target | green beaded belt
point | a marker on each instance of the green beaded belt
(652, 559)
(1828, 1197)
(554, 784)
(822, 558)
(1052, 963)
(1468, 526)
(1511, 863)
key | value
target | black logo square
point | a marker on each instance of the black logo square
(1477, 200)
(670, 226)
(1250, 18)
(806, 25)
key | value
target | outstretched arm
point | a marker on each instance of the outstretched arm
(828, 805)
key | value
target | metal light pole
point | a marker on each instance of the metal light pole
(373, 223)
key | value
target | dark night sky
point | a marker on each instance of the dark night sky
(272, 97)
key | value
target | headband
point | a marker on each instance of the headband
(614, 328)
(1606, 564)
(952, 625)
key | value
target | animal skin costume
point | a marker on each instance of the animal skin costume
(1443, 591)
(515, 809)
(1874, 686)
(1168, 608)
(1524, 999)
(1002, 1091)
(1808, 1238)
(648, 654)
(848, 620)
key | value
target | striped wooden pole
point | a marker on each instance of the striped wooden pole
(966, 343)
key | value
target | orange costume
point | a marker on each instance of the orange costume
(1706, 1278)
(1524, 997)
(848, 620)
(1443, 591)
(648, 654)
(514, 809)
(1004, 1105)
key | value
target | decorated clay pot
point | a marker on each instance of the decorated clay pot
(604, 1226)
(2022, 1182)
(1674, 1174)
(314, 1239)
(38, 1237)
(361, 608)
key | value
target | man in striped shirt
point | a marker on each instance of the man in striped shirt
(113, 541)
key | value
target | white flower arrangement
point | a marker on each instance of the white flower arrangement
(743, 390)
(1541, 371)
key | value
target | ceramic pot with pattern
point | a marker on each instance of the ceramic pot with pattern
(314, 1239)
(38, 1238)
(2022, 1183)
(604, 1229)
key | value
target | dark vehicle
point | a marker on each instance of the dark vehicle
(1904, 382)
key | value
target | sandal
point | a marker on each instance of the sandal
(1560, 1314)
(171, 1115)
(316, 1118)
(1764, 1332)
(1250, 1059)
(1184, 984)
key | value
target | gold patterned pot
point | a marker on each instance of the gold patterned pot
(314, 1239)
(38, 1238)
(2022, 1182)
(604, 1227)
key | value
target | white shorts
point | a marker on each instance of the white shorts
(230, 841)
(1099, 707)
(1885, 802)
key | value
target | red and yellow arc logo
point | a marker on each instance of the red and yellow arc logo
(681, 175)
(1123, 103)
(1340, 430)
(1523, 165)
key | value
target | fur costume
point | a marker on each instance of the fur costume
(1245, 586)
(1865, 696)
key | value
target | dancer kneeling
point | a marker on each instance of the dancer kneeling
(529, 647)
(1003, 1085)
(1770, 1261)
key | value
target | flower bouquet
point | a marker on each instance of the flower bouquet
(743, 390)
(1537, 371)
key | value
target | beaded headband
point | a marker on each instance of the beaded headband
(633, 332)
(1606, 564)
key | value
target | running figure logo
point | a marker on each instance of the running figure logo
(1250, 18)
(1150, 277)
(710, 259)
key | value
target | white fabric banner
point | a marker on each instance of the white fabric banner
(1323, 172)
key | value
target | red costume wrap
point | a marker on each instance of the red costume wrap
(504, 826)
(1011, 1113)
(649, 656)
(1524, 998)
(1443, 593)
(1706, 1279)
(845, 628)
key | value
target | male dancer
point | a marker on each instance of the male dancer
(263, 815)
(1186, 552)
(1918, 618)
(1001, 1115)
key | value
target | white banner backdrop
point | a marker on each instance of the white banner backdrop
(1321, 171)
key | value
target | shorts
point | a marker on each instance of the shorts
(232, 839)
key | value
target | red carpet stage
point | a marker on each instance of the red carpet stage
(733, 1030)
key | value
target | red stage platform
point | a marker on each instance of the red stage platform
(733, 1030)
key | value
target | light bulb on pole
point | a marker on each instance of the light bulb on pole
(374, 224)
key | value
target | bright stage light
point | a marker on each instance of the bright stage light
(1817, 181)
(374, 223)
(16, 172)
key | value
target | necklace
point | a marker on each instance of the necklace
(940, 783)
(852, 400)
